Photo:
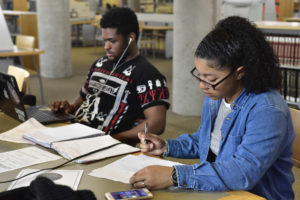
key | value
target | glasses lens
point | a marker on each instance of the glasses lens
(195, 73)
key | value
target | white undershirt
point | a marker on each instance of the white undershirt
(224, 110)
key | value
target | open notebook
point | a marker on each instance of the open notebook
(74, 140)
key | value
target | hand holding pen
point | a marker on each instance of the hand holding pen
(151, 143)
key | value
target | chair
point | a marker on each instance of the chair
(27, 42)
(296, 145)
(144, 42)
(22, 77)
(98, 36)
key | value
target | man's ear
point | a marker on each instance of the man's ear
(240, 72)
(132, 36)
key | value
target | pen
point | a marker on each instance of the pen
(146, 131)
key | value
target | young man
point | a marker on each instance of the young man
(122, 89)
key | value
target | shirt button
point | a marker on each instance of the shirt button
(184, 185)
(233, 105)
(228, 118)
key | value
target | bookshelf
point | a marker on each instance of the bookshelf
(284, 37)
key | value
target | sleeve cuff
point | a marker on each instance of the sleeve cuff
(183, 173)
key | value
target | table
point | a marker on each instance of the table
(157, 28)
(100, 186)
(78, 22)
(162, 31)
(21, 52)
(292, 19)
(27, 52)
(279, 27)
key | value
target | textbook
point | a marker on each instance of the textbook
(46, 136)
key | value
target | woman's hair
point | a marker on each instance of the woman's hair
(123, 19)
(235, 42)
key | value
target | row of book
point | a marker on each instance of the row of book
(286, 47)
(290, 85)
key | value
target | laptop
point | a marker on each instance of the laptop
(12, 105)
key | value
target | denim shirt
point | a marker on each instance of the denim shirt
(255, 149)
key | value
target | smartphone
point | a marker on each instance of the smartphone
(129, 194)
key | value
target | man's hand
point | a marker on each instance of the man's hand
(62, 106)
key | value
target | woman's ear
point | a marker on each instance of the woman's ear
(240, 72)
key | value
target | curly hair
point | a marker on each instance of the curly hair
(236, 42)
(123, 19)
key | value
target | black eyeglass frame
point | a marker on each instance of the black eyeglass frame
(213, 86)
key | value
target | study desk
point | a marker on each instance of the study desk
(78, 22)
(157, 28)
(21, 52)
(292, 19)
(100, 186)
(279, 27)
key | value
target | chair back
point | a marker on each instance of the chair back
(296, 145)
(25, 42)
(22, 77)
(97, 21)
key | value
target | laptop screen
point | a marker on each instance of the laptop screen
(10, 97)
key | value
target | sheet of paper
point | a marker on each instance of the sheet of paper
(24, 157)
(122, 169)
(16, 134)
(69, 178)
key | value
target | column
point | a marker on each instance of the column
(54, 38)
(193, 19)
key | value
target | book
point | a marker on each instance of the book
(46, 136)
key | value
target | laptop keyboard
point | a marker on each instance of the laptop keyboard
(44, 116)
(40, 116)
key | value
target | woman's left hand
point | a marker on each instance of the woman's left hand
(152, 177)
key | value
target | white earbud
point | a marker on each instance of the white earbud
(130, 40)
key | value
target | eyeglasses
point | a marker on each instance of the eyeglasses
(195, 74)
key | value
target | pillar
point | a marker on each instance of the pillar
(54, 38)
(193, 19)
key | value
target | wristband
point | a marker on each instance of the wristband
(174, 177)
(164, 154)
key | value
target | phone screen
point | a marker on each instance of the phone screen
(129, 194)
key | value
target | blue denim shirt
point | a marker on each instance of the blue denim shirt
(255, 149)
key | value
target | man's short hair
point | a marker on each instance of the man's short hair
(124, 19)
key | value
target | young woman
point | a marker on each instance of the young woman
(246, 133)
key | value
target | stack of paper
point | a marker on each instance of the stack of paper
(24, 157)
(70, 141)
(16, 134)
(122, 169)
